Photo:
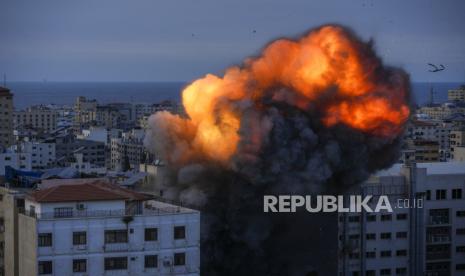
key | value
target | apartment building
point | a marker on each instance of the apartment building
(425, 233)
(6, 118)
(67, 145)
(36, 117)
(97, 228)
(128, 152)
(456, 94)
(424, 150)
(442, 111)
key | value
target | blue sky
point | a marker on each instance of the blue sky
(179, 40)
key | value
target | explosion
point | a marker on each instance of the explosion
(316, 114)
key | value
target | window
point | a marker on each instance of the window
(354, 237)
(385, 254)
(441, 194)
(401, 216)
(116, 236)
(80, 265)
(385, 236)
(151, 261)
(385, 271)
(460, 231)
(116, 263)
(401, 271)
(456, 193)
(179, 232)
(45, 239)
(460, 213)
(401, 235)
(79, 238)
(386, 217)
(371, 217)
(460, 267)
(179, 259)
(65, 212)
(460, 249)
(354, 255)
(151, 234)
(401, 253)
(370, 273)
(371, 236)
(354, 219)
(371, 254)
(45, 267)
(428, 195)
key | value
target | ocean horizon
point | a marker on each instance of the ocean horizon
(65, 93)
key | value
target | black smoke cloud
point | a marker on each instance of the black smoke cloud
(297, 155)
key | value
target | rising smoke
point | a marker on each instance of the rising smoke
(317, 114)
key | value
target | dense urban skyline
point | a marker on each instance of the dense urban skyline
(182, 40)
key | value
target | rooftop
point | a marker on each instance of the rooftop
(92, 191)
(436, 168)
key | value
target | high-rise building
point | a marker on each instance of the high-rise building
(425, 233)
(6, 118)
(97, 228)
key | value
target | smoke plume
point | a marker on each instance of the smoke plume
(316, 114)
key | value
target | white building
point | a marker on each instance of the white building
(102, 229)
(409, 241)
(18, 161)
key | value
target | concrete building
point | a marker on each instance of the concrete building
(456, 94)
(128, 151)
(67, 145)
(457, 140)
(101, 229)
(425, 233)
(16, 160)
(6, 118)
(84, 112)
(36, 117)
(442, 111)
(424, 150)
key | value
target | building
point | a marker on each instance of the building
(36, 117)
(457, 139)
(442, 111)
(427, 240)
(84, 112)
(10, 204)
(128, 152)
(6, 118)
(16, 160)
(456, 94)
(67, 145)
(98, 228)
(438, 131)
(424, 150)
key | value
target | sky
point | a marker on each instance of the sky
(180, 40)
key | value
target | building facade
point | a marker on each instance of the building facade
(102, 229)
(37, 117)
(6, 118)
(425, 233)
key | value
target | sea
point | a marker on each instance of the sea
(65, 93)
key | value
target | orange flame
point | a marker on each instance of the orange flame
(326, 63)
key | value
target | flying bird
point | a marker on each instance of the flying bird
(436, 68)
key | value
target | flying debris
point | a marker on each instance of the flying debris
(254, 31)
(436, 68)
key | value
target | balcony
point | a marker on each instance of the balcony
(82, 214)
